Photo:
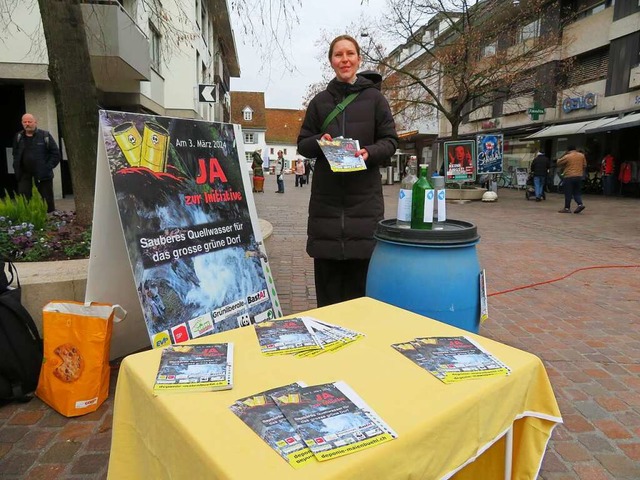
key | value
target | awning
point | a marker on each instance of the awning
(632, 120)
(563, 130)
(575, 128)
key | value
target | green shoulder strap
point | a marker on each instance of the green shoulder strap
(339, 108)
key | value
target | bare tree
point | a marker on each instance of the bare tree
(74, 85)
(458, 56)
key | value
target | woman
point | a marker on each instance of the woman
(258, 172)
(345, 208)
(299, 172)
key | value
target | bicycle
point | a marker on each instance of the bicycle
(592, 184)
(506, 179)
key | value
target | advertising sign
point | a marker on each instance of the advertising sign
(490, 153)
(189, 226)
(460, 161)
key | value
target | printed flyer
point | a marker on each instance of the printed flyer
(195, 248)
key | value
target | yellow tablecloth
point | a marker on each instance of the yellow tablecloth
(440, 427)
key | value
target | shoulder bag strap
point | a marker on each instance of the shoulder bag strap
(339, 108)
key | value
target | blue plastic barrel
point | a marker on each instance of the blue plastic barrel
(435, 273)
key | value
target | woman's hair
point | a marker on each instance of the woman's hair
(343, 37)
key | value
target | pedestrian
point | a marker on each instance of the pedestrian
(573, 165)
(345, 208)
(307, 170)
(299, 173)
(540, 168)
(608, 171)
(35, 155)
(280, 163)
(258, 172)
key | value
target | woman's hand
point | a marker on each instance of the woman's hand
(326, 137)
(363, 153)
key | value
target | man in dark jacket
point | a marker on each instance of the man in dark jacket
(540, 168)
(35, 155)
(345, 208)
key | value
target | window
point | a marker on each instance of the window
(284, 150)
(489, 50)
(247, 114)
(249, 138)
(154, 46)
(532, 30)
(271, 151)
(589, 68)
(247, 157)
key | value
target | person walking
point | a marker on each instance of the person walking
(299, 173)
(345, 208)
(307, 170)
(573, 164)
(280, 162)
(35, 155)
(540, 168)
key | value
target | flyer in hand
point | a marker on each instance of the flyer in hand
(287, 336)
(333, 420)
(195, 368)
(452, 359)
(261, 414)
(341, 154)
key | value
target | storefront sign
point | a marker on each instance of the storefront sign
(587, 102)
(488, 124)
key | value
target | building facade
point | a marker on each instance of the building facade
(142, 61)
(585, 93)
(248, 111)
(283, 128)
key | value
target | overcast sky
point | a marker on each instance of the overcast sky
(284, 89)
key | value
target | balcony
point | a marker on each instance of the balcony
(119, 50)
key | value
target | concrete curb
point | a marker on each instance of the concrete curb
(43, 282)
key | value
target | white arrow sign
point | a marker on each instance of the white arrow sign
(207, 93)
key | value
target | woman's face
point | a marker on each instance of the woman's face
(345, 61)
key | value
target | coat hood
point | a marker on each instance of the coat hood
(364, 80)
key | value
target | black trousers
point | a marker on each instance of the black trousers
(45, 187)
(339, 280)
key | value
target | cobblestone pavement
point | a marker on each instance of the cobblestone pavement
(579, 312)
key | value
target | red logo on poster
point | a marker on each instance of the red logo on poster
(180, 333)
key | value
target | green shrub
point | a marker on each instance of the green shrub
(20, 210)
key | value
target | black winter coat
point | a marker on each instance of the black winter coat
(345, 208)
(45, 149)
(540, 165)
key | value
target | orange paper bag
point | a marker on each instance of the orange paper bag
(74, 379)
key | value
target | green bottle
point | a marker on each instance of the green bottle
(422, 202)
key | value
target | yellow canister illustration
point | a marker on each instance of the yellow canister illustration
(130, 142)
(155, 143)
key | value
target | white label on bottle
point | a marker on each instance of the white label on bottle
(404, 205)
(442, 205)
(428, 206)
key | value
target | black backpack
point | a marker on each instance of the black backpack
(20, 342)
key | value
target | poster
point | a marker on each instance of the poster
(460, 161)
(490, 153)
(189, 226)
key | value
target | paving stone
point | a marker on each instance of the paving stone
(620, 466)
(61, 452)
(17, 463)
(12, 434)
(26, 418)
(90, 464)
(35, 439)
(46, 472)
(612, 429)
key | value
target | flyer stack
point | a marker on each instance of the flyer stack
(195, 368)
(308, 423)
(452, 359)
(302, 336)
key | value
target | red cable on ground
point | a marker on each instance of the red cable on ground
(562, 278)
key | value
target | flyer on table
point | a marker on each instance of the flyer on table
(196, 251)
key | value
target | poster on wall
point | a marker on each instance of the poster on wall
(460, 161)
(189, 225)
(490, 153)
